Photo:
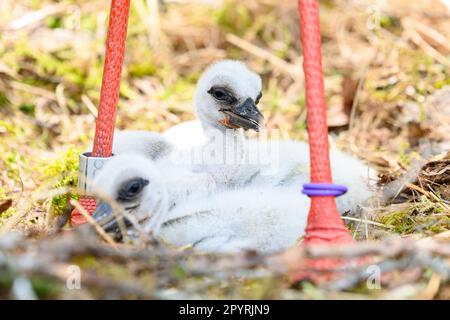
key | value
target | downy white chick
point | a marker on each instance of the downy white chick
(234, 110)
(181, 179)
(262, 219)
(226, 101)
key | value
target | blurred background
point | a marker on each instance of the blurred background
(386, 69)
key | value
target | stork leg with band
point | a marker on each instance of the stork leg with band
(109, 97)
(324, 226)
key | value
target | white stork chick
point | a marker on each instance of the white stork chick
(256, 218)
(226, 101)
(133, 183)
(222, 91)
(226, 97)
(183, 181)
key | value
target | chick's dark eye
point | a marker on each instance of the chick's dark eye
(135, 187)
(131, 189)
(220, 94)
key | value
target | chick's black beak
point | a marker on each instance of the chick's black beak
(105, 217)
(246, 116)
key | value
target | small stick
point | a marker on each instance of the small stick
(415, 37)
(432, 288)
(90, 105)
(437, 37)
(284, 66)
(367, 222)
(93, 223)
(429, 195)
(33, 90)
(35, 17)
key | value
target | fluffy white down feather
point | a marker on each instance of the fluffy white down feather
(286, 163)
(185, 135)
(257, 218)
(151, 144)
(282, 163)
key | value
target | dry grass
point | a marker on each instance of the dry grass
(386, 69)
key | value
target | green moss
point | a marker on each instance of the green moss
(61, 172)
(234, 17)
(418, 70)
(50, 68)
(87, 262)
(117, 271)
(12, 161)
(404, 157)
(4, 101)
(89, 22)
(53, 22)
(142, 69)
(389, 22)
(439, 84)
(422, 216)
(6, 281)
(45, 288)
(182, 89)
(179, 272)
(28, 109)
(272, 100)
(311, 291)
(260, 288)
(126, 91)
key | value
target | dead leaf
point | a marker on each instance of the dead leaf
(5, 205)
(340, 108)
(349, 87)
(417, 131)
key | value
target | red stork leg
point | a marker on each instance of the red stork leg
(109, 94)
(324, 226)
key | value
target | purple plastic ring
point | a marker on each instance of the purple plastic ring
(323, 189)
